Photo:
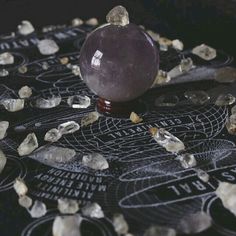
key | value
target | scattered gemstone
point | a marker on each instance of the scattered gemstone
(167, 140)
(225, 74)
(225, 100)
(187, 160)
(95, 161)
(78, 101)
(67, 206)
(186, 65)
(6, 58)
(231, 127)
(194, 223)
(155, 37)
(47, 47)
(25, 28)
(162, 78)
(68, 127)
(53, 135)
(25, 201)
(22, 69)
(135, 118)
(3, 129)
(20, 187)
(167, 101)
(120, 224)
(93, 210)
(157, 230)
(48, 103)
(4, 73)
(45, 65)
(164, 43)
(38, 209)
(118, 16)
(233, 110)
(3, 160)
(177, 44)
(13, 105)
(232, 119)
(77, 22)
(90, 118)
(197, 97)
(25, 92)
(203, 175)
(64, 60)
(205, 52)
(76, 70)
(67, 225)
(92, 22)
(29, 144)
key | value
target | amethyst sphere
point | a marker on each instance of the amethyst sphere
(119, 63)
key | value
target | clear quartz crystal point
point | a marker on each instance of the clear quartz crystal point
(95, 161)
(25, 201)
(13, 105)
(53, 135)
(20, 187)
(93, 210)
(118, 16)
(67, 206)
(225, 100)
(3, 160)
(198, 97)
(203, 175)
(68, 127)
(25, 28)
(48, 103)
(157, 230)
(187, 160)
(47, 47)
(6, 58)
(39, 209)
(90, 118)
(78, 101)
(3, 129)
(205, 52)
(29, 144)
(167, 101)
(120, 224)
(67, 225)
(25, 92)
(167, 140)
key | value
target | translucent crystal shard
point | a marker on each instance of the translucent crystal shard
(48, 103)
(162, 78)
(25, 201)
(3, 160)
(194, 223)
(120, 224)
(20, 187)
(29, 144)
(93, 210)
(203, 175)
(197, 97)
(225, 75)
(6, 58)
(53, 135)
(67, 206)
(225, 100)
(77, 22)
(95, 161)
(47, 47)
(90, 118)
(135, 118)
(78, 101)
(187, 160)
(167, 101)
(205, 52)
(76, 70)
(186, 65)
(159, 230)
(22, 69)
(177, 44)
(118, 16)
(167, 140)
(67, 225)
(3, 129)
(4, 73)
(13, 105)
(39, 209)
(231, 127)
(25, 92)
(68, 127)
(25, 28)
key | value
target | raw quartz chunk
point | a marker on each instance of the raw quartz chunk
(186, 65)
(233, 110)
(64, 60)
(3, 129)
(68, 127)
(53, 135)
(25, 92)
(231, 127)
(25, 28)
(164, 43)
(22, 69)
(48, 103)
(135, 118)
(118, 16)
(77, 22)
(29, 144)
(177, 44)
(157, 230)
(225, 74)
(93, 210)
(205, 52)
(225, 100)
(20, 187)
(167, 140)
(162, 78)
(47, 47)
(203, 175)
(167, 101)
(95, 161)
(67, 206)
(6, 58)
(78, 101)
(120, 224)
(39, 209)
(198, 97)
(90, 118)
(25, 201)
(13, 105)
(67, 225)
(194, 223)
(76, 70)
(187, 160)
(3, 160)
(154, 35)
(92, 22)
(4, 73)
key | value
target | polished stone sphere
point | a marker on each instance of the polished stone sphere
(119, 63)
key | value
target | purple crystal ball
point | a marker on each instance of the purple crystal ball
(119, 63)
